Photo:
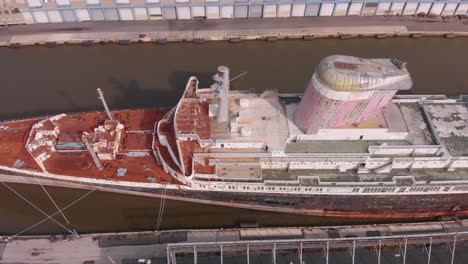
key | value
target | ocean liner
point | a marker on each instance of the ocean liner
(348, 147)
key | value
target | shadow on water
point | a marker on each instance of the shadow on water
(130, 94)
(68, 98)
(179, 79)
(133, 94)
(110, 212)
(40, 80)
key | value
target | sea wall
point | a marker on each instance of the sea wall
(199, 31)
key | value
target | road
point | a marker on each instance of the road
(172, 30)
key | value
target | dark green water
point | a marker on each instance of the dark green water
(40, 80)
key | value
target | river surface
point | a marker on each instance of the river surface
(41, 80)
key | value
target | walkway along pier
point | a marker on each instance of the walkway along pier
(198, 31)
(430, 242)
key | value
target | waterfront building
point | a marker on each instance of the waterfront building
(58, 11)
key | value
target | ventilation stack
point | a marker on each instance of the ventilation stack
(346, 90)
(222, 84)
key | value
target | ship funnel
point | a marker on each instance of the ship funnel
(222, 85)
(346, 90)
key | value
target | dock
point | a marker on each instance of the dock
(431, 242)
(232, 30)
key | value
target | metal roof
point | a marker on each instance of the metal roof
(348, 73)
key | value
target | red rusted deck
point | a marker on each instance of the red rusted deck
(137, 123)
(167, 129)
(188, 148)
(13, 137)
(192, 117)
(204, 168)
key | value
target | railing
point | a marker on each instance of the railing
(431, 125)
(201, 142)
(420, 96)
(317, 186)
(302, 247)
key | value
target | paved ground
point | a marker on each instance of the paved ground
(230, 28)
(129, 247)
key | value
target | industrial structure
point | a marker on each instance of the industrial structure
(58, 11)
(347, 148)
(326, 249)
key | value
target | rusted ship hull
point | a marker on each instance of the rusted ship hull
(327, 205)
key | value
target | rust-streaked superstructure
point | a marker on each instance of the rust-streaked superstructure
(347, 92)
(349, 147)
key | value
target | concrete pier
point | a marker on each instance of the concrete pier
(413, 243)
(198, 31)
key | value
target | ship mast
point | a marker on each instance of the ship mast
(103, 100)
(222, 86)
(93, 154)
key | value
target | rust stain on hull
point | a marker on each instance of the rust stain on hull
(196, 197)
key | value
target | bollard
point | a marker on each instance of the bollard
(380, 36)
(198, 40)
(344, 36)
(87, 43)
(160, 41)
(50, 44)
(449, 35)
(15, 45)
(235, 40)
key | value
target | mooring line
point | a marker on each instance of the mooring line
(49, 217)
(50, 197)
(161, 211)
(161, 208)
(37, 208)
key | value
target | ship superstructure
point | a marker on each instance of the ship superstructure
(346, 125)
(347, 147)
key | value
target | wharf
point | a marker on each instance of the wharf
(443, 241)
(234, 30)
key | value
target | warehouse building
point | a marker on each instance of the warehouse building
(58, 11)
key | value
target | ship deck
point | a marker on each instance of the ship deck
(338, 146)
(407, 138)
(13, 135)
(450, 121)
(352, 176)
(127, 166)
